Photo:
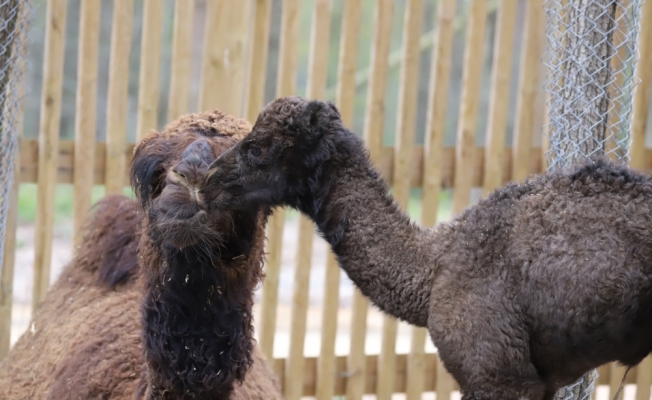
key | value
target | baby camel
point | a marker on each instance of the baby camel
(522, 294)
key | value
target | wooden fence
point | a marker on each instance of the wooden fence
(235, 58)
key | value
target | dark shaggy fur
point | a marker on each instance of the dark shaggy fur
(521, 294)
(200, 270)
(86, 340)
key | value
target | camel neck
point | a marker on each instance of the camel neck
(197, 325)
(381, 250)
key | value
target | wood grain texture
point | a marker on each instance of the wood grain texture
(468, 118)
(641, 105)
(181, 58)
(499, 98)
(116, 112)
(527, 90)
(225, 50)
(89, 35)
(150, 65)
(258, 59)
(55, 27)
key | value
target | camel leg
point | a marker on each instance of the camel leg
(486, 348)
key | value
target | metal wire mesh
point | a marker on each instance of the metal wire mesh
(14, 21)
(591, 58)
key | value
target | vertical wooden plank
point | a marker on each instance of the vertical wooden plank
(89, 35)
(644, 379)
(499, 99)
(48, 144)
(258, 59)
(181, 56)
(349, 44)
(9, 250)
(377, 87)
(433, 148)
(373, 134)
(286, 86)
(326, 362)
(642, 95)
(116, 110)
(527, 92)
(616, 373)
(150, 62)
(445, 382)
(8, 263)
(437, 104)
(293, 388)
(404, 150)
(225, 51)
(473, 54)
(317, 70)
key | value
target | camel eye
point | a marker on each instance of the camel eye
(255, 151)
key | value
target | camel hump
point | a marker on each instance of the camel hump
(110, 242)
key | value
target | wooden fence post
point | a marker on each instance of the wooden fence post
(116, 110)
(150, 65)
(89, 37)
(48, 145)
(467, 122)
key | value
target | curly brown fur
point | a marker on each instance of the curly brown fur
(200, 270)
(521, 294)
(86, 340)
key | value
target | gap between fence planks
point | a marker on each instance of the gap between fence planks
(317, 72)
(286, 86)
(48, 145)
(89, 36)
(467, 122)
(116, 111)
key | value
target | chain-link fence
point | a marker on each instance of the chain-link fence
(591, 57)
(14, 20)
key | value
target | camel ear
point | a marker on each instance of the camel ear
(147, 167)
(317, 116)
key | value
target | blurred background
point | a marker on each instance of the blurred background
(62, 249)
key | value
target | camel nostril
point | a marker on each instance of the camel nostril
(181, 175)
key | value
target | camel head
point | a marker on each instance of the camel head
(200, 266)
(279, 162)
(168, 172)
